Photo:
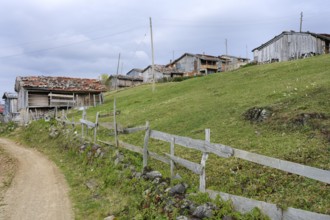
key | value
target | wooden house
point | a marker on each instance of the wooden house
(229, 63)
(292, 45)
(196, 64)
(120, 81)
(135, 72)
(160, 72)
(43, 93)
(149, 76)
(10, 107)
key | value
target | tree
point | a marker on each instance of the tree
(104, 78)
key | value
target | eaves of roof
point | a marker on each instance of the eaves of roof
(63, 84)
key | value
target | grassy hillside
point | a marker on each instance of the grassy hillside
(298, 95)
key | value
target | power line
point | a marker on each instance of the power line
(70, 44)
(52, 38)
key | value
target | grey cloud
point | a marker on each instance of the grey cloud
(83, 38)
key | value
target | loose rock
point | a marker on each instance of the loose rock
(91, 184)
(153, 175)
(178, 189)
(203, 211)
(257, 114)
(110, 218)
(182, 218)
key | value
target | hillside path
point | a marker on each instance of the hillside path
(38, 190)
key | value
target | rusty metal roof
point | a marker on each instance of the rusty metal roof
(64, 84)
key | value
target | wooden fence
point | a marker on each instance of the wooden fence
(240, 203)
(206, 147)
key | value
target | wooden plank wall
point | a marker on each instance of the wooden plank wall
(290, 46)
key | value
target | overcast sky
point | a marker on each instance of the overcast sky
(83, 38)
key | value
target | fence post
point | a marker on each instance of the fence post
(202, 179)
(172, 154)
(115, 122)
(96, 125)
(145, 146)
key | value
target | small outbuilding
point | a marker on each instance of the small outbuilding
(229, 62)
(39, 94)
(10, 107)
(121, 81)
(290, 45)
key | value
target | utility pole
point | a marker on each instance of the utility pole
(226, 44)
(152, 57)
(246, 51)
(117, 72)
(301, 20)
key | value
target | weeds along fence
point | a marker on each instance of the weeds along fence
(205, 147)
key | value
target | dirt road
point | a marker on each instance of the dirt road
(38, 190)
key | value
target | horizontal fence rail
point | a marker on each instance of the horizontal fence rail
(241, 204)
(194, 167)
(296, 168)
(245, 205)
(218, 149)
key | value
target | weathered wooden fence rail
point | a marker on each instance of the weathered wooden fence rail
(274, 212)
(205, 147)
(287, 166)
(240, 203)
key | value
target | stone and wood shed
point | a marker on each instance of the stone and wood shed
(291, 45)
(121, 81)
(10, 106)
(44, 93)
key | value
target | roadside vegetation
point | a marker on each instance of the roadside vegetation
(297, 97)
(102, 187)
(295, 94)
(8, 167)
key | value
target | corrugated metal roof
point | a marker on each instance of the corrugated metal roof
(59, 84)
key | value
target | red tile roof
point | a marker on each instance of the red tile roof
(59, 84)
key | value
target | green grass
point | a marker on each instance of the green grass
(218, 102)
(115, 191)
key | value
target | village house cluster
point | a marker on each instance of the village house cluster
(186, 65)
(36, 96)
